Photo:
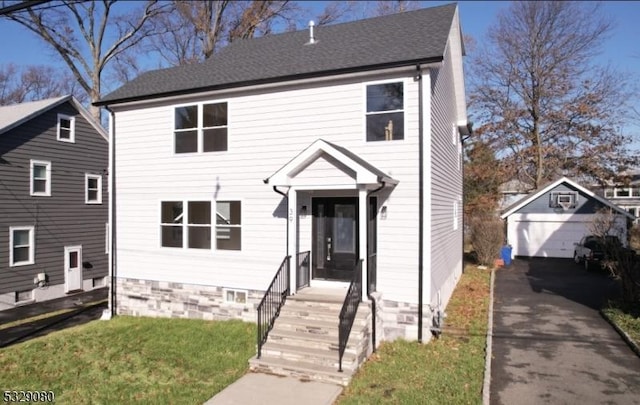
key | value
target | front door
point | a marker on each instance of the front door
(73, 268)
(335, 238)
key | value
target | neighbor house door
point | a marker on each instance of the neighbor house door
(335, 238)
(73, 268)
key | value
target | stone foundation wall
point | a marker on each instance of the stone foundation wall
(400, 320)
(179, 300)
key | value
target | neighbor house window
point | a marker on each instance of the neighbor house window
(186, 224)
(228, 225)
(563, 199)
(93, 189)
(608, 193)
(201, 128)
(66, 128)
(40, 178)
(623, 192)
(385, 111)
(21, 245)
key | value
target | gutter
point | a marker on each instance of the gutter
(418, 78)
(286, 196)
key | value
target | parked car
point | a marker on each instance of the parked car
(591, 250)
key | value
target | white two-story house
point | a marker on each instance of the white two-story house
(325, 160)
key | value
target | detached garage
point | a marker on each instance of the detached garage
(548, 222)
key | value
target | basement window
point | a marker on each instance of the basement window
(235, 296)
(23, 297)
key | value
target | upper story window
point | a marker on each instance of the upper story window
(40, 178)
(622, 192)
(201, 128)
(385, 111)
(93, 189)
(66, 128)
(21, 245)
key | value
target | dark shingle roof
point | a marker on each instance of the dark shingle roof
(395, 40)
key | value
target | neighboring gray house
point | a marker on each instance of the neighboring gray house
(328, 162)
(548, 222)
(53, 201)
(626, 196)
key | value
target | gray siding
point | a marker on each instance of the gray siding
(62, 219)
(586, 204)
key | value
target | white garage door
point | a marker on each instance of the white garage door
(543, 235)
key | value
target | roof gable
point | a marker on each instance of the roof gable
(401, 39)
(535, 195)
(14, 115)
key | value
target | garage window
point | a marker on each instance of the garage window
(563, 199)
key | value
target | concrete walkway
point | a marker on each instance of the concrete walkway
(551, 345)
(266, 389)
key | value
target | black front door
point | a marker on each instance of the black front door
(335, 237)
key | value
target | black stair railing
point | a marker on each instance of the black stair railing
(302, 270)
(349, 311)
(273, 300)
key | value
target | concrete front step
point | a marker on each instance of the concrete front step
(314, 326)
(321, 357)
(314, 313)
(301, 370)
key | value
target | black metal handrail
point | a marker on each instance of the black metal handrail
(372, 273)
(274, 298)
(349, 311)
(302, 270)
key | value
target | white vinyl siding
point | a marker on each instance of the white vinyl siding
(269, 129)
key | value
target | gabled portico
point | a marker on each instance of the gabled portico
(338, 182)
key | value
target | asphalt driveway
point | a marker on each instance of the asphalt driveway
(550, 344)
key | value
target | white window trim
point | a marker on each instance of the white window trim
(200, 128)
(185, 225)
(88, 176)
(215, 213)
(235, 293)
(72, 132)
(365, 113)
(47, 192)
(32, 246)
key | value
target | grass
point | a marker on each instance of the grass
(48, 315)
(132, 360)
(446, 370)
(626, 318)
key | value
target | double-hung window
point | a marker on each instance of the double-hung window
(228, 225)
(186, 224)
(385, 111)
(66, 128)
(40, 178)
(93, 189)
(21, 249)
(201, 128)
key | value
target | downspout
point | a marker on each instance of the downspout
(371, 299)
(112, 212)
(418, 78)
(286, 196)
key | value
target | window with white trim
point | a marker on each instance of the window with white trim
(21, 245)
(92, 189)
(40, 178)
(385, 111)
(235, 296)
(194, 232)
(66, 128)
(201, 128)
(228, 225)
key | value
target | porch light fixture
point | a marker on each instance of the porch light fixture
(383, 212)
(303, 211)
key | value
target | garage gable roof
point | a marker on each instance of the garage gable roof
(531, 197)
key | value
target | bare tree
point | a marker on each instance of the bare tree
(540, 100)
(622, 262)
(198, 29)
(31, 83)
(88, 35)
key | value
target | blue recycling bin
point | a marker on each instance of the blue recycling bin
(505, 254)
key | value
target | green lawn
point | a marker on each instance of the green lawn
(627, 318)
(449, 370)
(132, 360)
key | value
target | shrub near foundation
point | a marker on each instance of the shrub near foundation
(487, 237)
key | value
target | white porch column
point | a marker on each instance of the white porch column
(362, 232)
(292, 217)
